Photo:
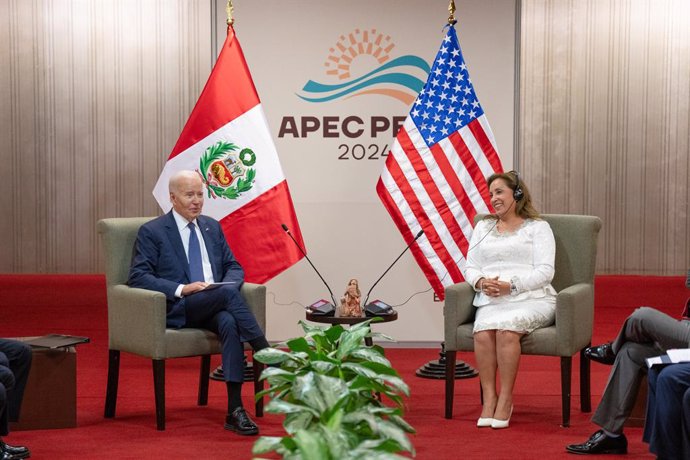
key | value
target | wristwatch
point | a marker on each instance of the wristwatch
(513, 285)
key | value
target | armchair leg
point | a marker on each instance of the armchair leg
(585, 380)
(159, 392)
(204, 370)
(566, 368)
(111, 387)
(450, 382)
(258, 386)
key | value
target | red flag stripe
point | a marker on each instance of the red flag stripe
(229, 92)
(485, 144)
(408, 236)
(472, 168)
(268, 251)
(422, 217)
(428, 183)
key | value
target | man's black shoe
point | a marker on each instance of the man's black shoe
(601, 353)
(8, 452)
(599, 443)
(239, 422)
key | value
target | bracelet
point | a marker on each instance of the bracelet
(481, 285)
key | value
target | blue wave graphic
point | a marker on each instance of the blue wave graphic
(370, 79)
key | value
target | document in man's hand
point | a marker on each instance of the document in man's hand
(676, 355)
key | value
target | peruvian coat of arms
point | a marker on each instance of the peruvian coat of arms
(227, 170)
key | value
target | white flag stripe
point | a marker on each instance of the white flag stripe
(250, 130)
(487, 130)
(476, 151)
(412, 223)
(468, 183)
(439, 179)
(428, 206)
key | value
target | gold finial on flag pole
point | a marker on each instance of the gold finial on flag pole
(451, 11)
(228, 11)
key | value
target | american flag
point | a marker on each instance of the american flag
(435, 174)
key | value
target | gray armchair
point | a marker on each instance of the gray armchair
(136, 322)
(576, 250)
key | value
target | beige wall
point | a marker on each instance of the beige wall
(93, 95)
(604, 124)
(91, 92)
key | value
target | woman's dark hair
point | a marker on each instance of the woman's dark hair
(523, 206)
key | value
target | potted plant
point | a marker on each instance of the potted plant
(331, 388)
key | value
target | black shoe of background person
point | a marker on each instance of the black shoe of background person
(601, 353)
(8, 452)
(599, 443)
(239, 422)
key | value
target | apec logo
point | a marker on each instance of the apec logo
(362, 63)
(359, 64)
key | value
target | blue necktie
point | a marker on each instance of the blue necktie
(196, 269)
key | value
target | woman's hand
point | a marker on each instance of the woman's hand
(492, 287)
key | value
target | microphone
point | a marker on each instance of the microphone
(378, 307)
(321, 307)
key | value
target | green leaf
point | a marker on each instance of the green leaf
(271, 355)
(266, 444)
(370, 354)
(397, 420)
(311, 446)
(299, 344)
(299, 421)
(380, 368)
(351, 341)
(278, 406)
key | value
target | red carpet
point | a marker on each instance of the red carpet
(69, 304)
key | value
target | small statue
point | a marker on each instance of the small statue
(350, 303)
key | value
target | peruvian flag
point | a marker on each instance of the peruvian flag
(227, 141)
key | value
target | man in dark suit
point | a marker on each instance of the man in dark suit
(646, 333)
(15, 363)
(180, 254)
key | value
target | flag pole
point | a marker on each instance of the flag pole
(451, 13)
(229, 9)
(436, 369)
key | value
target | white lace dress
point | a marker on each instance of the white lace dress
(527, 257)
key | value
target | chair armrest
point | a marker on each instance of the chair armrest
(136, 320)
(255, 296)
(574, 318)
(457, 310)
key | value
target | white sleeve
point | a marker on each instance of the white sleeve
(473, 271)
(543, 259)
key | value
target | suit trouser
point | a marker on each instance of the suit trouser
(15, 363)
(668, 397)
(223, 311)
(646, 333)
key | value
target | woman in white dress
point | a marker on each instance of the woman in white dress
(510, 263)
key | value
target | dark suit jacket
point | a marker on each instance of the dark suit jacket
(160, 264)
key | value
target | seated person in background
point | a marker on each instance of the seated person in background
(510, 263)
(180, 254)
(667, 423)
(15, 363)
(645, 333)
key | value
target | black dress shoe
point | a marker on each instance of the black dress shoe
(239, 422)
(601, 353)
(599, 443)
(8, 452)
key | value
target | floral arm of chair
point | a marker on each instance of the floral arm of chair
(457, 310)
(574, 318)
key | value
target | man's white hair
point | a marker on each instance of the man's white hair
(175, 179)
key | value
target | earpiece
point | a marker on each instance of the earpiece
(517, 193)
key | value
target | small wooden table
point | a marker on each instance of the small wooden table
(350, 320)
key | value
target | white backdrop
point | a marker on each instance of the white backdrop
(346, 229)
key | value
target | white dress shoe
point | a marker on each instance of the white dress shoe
(498, 424)
(485, 422)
